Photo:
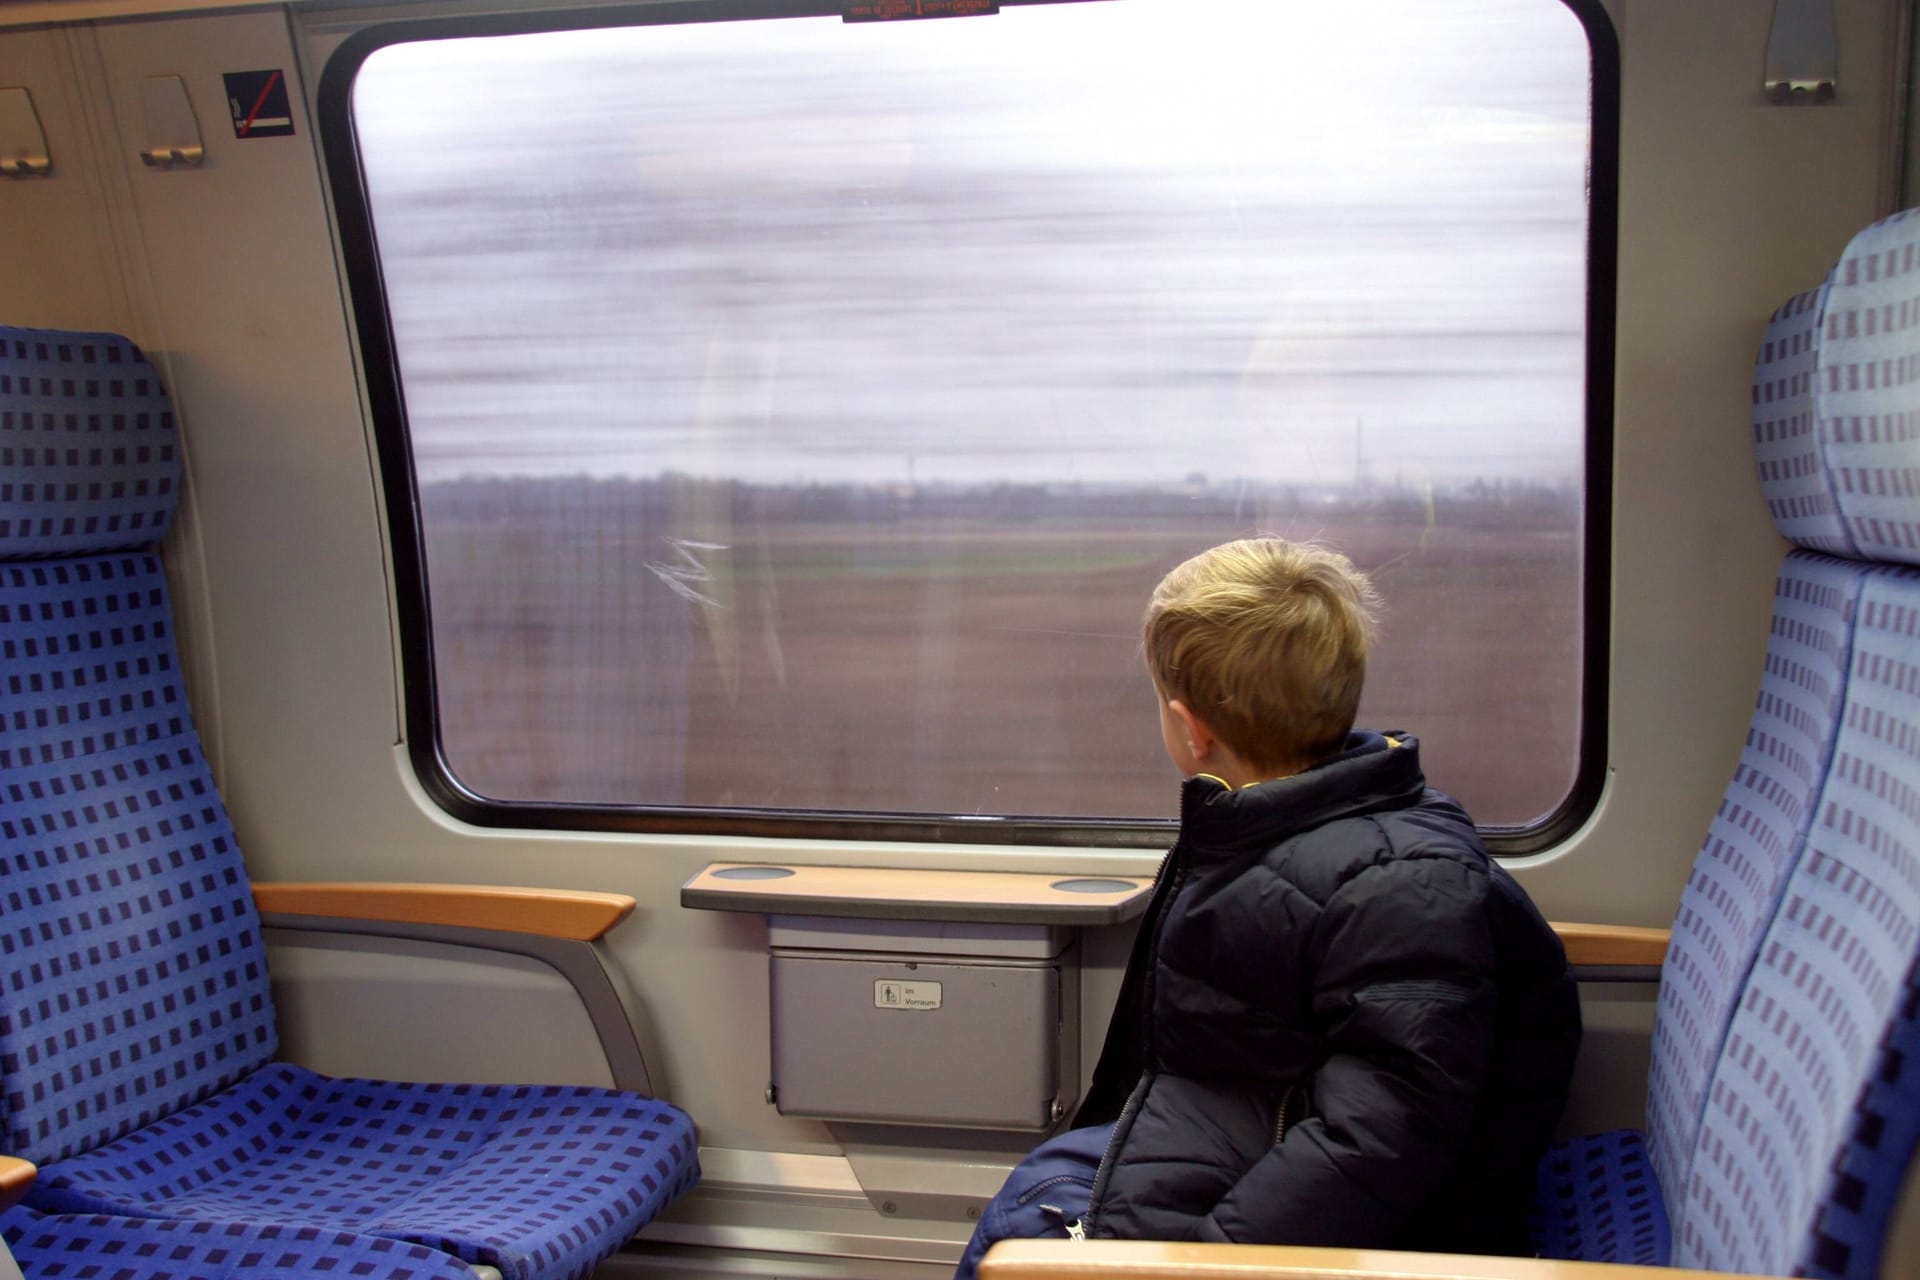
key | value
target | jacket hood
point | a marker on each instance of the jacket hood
(1374, 771)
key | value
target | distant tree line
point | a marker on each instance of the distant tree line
(531, 498)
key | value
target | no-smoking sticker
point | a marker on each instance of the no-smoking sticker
(259, 103)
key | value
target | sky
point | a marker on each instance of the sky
(1121, 241)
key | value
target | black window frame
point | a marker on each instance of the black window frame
(393, 447)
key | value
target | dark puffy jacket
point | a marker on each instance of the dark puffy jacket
(1343, 1023)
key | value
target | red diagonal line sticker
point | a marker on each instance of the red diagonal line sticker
(246, 127)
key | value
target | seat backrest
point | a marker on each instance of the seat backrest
(1760, 832)
(1794, 1128)
(133, 976)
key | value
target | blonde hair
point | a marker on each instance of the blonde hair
(1266, 641)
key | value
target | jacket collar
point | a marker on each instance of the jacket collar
(1374, 772)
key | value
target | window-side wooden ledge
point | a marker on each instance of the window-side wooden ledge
(1158, 1260)
(584, 916)
(1611, 945)
(569, 914)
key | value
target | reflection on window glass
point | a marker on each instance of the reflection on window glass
(803, 411)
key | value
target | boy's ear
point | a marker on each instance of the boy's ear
(1200, 737)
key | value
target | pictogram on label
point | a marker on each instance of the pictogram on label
(889, 993)
(259, 103)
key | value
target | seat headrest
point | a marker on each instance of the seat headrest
(1836, 402)
(89, 460)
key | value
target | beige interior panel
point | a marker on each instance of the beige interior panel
(71, 277)
(400, 1010)
(1610, 1079)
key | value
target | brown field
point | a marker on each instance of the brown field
(965, 654)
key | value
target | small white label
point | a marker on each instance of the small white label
(889, 994)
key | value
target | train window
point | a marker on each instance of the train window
(786, 418)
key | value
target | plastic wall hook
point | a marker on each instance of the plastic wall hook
(173, 134)
(1803, 53)
(23, 144)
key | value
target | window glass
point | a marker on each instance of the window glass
(802, 411)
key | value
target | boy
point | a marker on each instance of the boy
(1342, 1023)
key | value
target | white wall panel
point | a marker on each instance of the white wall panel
(400, 1010)
(254, 344)
(1728, 206)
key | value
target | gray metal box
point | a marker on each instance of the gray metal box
(912, 1038)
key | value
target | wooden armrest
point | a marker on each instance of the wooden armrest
(1612, 944)
(1157, 1260)
(16, 1175)
(571, 914)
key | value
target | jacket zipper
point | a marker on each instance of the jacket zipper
(1083, 1227)
(1072, 1226)
(1286, 1112)
(1172, 872)
(1046, 1184)
(1120, 1127)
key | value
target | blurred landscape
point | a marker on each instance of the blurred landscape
(959, 652)
(802, 411)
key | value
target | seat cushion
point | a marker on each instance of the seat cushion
(451, 1167)
(1864, 1186)
(133, 974)
(1834, 403)
(1805, 1041)
(96, 1247)
(1787, 449)
(1865, 396)
(1755, 842)
(1596, 1200)
(87, 444)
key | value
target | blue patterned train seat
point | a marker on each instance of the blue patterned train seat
(137, 1033)
(1779, 1110)
(97, 1247)
(1829, 981)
